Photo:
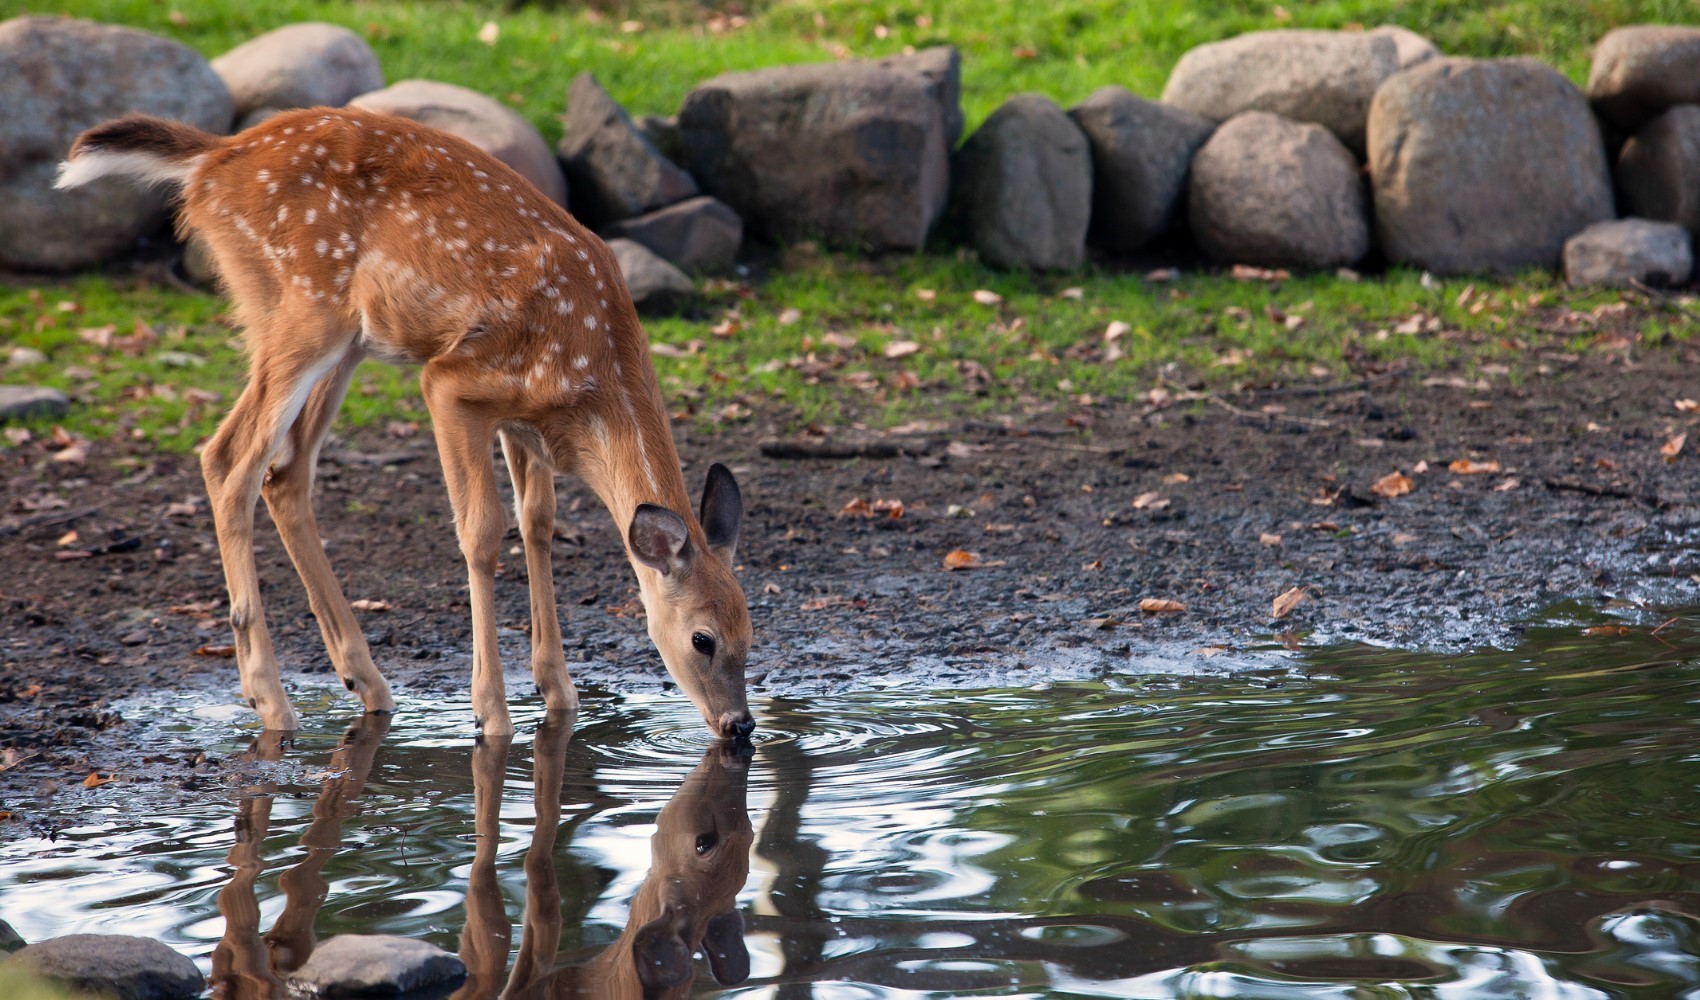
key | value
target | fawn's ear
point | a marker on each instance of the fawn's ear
(728, 956)
(662, 957)
(722, 511)
(658, 538)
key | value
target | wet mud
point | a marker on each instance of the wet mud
(1219, 504)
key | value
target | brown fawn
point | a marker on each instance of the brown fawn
(341, 234)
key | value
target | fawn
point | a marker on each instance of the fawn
(341, 234)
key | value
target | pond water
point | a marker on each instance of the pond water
(1368, 823)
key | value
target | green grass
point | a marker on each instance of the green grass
(1037, 350)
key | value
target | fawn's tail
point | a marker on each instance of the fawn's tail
(150, 150)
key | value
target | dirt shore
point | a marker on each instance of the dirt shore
(1217, 503)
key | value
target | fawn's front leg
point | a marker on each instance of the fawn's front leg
(534, 503)
(463, 441)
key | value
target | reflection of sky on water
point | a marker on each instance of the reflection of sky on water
(1446, 826)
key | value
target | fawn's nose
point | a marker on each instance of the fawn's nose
(737, 725)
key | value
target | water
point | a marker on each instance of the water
(1368, 824)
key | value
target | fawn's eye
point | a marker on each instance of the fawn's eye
(706, 841)
(704, 643)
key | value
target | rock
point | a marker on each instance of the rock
(851, 152)
(1626, 252)
(20, 402)
(615, 171)
(1273, 192)
(1141, 151)
(1326, 77)
(366, 964)
(1659, 169)
(23, 357)
(487, 124)
(655, 285)
(10, 940)
(662, 131)
(1483, 165)
(1410, 47)
(61, 77)
(299, 66)
(1024, 186)
(941, 66)
(700, 236)
(115, 966)
(198, 264)
(1641, 70)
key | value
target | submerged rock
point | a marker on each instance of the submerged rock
(115, 966)
(351, 965)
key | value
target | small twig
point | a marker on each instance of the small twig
(1668, 623)
(46, 520)
(890, 447)
(1332, 389)
(1249, 415)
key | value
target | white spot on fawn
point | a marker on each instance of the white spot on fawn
(311, 215)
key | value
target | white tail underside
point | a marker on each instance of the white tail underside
(144, 168)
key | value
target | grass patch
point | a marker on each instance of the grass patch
(810, 341)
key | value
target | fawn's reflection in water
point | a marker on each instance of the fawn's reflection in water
(688, 901)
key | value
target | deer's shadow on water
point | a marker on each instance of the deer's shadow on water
(698, 864)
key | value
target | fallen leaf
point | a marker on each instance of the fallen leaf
(1099, 624)
(926, 294)
(1095, 566)
(96, 779)
(1244, 272)
(1507, 484)
(1401, 538)
(1419, 468)
(986, 297)
(1177, 477)
(223, 652)
(960, 559)
(1610, 630)
(1208, 651)
(770, 588)
(1673, 447)
(1687, 405)
(1269, 539)
(790, 315)
(366, 604)
(75, 453)
(1160, 605)
(1466, 467)
(901, 348)
(68, 538)
(1073, 292)
(1394, 484)
(1150, 501)
(489, 32)
(1286, 602)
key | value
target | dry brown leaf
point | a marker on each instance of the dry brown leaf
(1394, 484)
(1269, 539)
(223, 652)
(960, 559)
(1466, 467)
(1608, 630)
(96, 779)
(1177, 477)
(790, 315)
(1208, 651)
(1402, 539)
(1507, 484)
(367, 604)
(1673, 447)
(901, 348)
(987, 297)
(1286, 602)
(1687, 406)
(1150, 500)
(926, 294)
(1095, 566)
(1160, 605)
(68, 538)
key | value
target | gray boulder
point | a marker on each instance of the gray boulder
(1023, 185)
(700, 236)
(850, 152)
(1273, 192)
(1641, 70)
(614, 170)
(1141, 151)
(662, 131)
(1411, 47)
(351, 965)
(1326, 77)
(20, 402)
(62, 76)
(1626, 252)
(655, 285)
(298, 66)
(941, 67)
(1484, 165)
(10, 940)
(1659, 169)
(114, 966)
(482, 121)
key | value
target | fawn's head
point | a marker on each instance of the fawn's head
(697, 614)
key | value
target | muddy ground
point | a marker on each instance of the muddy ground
(1073, 526)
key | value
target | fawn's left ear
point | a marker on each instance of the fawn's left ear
(722, 511)
(728, 955)
(658, 538)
